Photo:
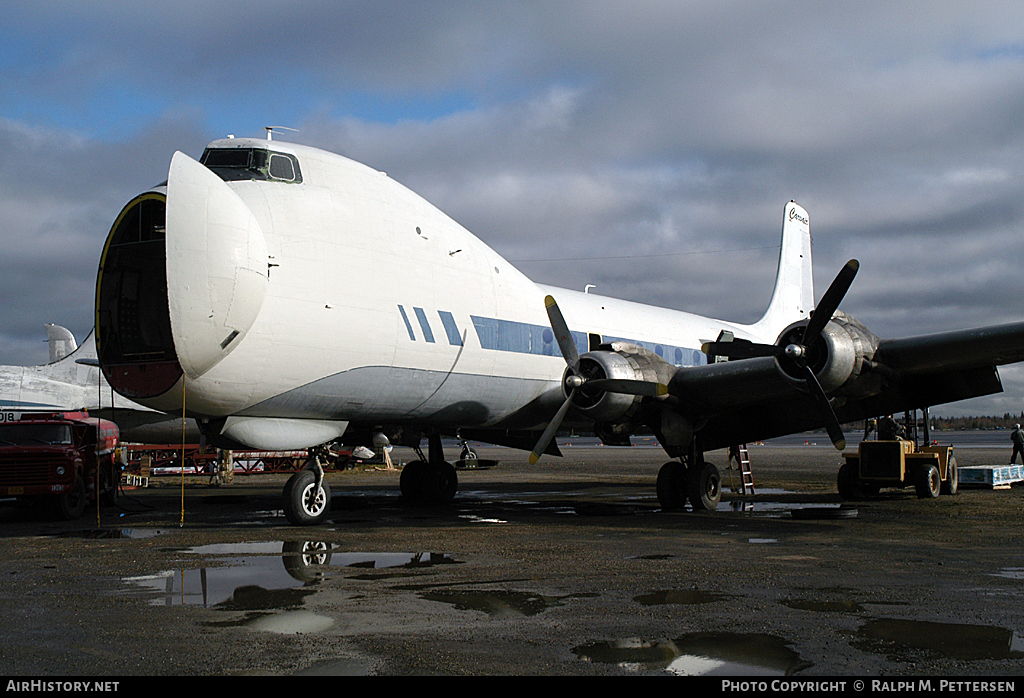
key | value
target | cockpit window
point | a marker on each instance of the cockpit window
(281, 167)
(233, 164)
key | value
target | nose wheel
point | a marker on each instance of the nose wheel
(307, 496)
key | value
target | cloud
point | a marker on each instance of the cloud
(647, 148)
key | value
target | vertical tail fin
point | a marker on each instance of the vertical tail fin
(793, 297)
(61, 341)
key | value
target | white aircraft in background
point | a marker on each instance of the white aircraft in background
(71, 381)
(290, 297)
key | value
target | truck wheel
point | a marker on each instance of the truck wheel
(952, 477)
(303, 506)
(71, 503)
(848, 483)
(928, 483)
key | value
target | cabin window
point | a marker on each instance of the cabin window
(235, 164)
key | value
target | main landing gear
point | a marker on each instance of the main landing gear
(431, 479)
(692, 479)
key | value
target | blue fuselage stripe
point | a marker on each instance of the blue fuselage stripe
(408, 325)
(428, 335)
(450, 328)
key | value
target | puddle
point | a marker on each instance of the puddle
(292, 623)
(797, 510)
(500, 604)
(700, 654)
(299, 554)
(907, 640)
(265, 575)
(762, 541)
(473, 518)
(112, 533)
(258, 580)
(685, 597)
(1010, 573)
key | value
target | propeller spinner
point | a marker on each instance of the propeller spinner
(797, 352)
(575, 380)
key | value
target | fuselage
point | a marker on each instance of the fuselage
(332, 292)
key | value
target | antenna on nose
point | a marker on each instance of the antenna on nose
(270, 130)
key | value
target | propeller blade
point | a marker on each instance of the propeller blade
(549, 433)
(628, 387)
(835, 431)
(829, 302)
(741, 349)
(562, 334)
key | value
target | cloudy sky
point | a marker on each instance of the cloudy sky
(644, 147)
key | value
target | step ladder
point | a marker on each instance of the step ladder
(746, 473)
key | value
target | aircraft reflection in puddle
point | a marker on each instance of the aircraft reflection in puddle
(265, 575)
(700, 654)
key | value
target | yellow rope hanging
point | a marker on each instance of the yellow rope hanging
(182, 523)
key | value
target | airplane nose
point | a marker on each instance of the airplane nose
(182, 279)
(217, 273)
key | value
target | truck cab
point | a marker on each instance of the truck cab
(65, 459)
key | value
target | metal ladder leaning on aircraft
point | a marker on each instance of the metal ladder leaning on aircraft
(219, 284)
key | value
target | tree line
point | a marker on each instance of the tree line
(974, 423)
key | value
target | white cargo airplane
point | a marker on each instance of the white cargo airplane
(291, 297)
(71, 381)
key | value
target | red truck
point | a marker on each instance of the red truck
(63, 458)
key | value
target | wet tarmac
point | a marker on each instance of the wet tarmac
(568, 567)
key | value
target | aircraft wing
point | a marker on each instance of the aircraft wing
(746, 400)
(983, 346)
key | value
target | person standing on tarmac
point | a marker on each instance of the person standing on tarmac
(1017, 437)
(891, 430)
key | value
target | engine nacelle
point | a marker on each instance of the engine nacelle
(837, 356)
(621, 361)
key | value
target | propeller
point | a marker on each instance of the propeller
(797, 352)
(576, 380)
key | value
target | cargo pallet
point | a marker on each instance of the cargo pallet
(996, 477)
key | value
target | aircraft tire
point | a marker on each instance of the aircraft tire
(672, 486)
(704, 486)
(71, 503)
(301, 506)
(952, 481)
(848, 483)
(444, 483)
(426, 483)
(411, 479)
(927, 482)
